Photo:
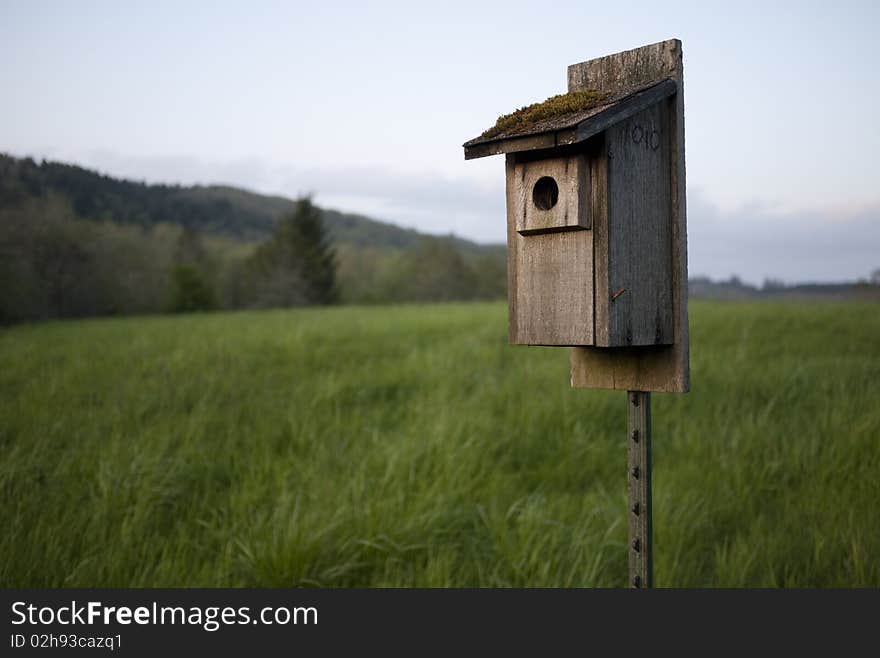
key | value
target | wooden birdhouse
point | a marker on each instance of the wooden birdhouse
(595, 218)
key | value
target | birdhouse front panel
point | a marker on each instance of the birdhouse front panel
(550, 257)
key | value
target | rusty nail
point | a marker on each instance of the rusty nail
(617, 294)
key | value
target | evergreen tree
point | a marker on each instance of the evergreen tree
(296, 265)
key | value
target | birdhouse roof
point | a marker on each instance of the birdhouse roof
(566, 119)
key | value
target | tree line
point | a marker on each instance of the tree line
(56, 264)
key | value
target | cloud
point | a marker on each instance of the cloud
(426, 201)
(251, 173)
(755, 243)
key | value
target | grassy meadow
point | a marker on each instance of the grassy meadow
(411, 446)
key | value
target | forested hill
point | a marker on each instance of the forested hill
(215, 209)
(76, 243)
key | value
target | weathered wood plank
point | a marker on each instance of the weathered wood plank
(639, 278)
(528, 143)
(629, 68)
(512, 270)
(655, 368)
(601, 300)
(554, 288)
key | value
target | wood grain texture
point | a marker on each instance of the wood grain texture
(554, 289)
(512, 272)
(550, 280)
(658, 368)
(572, 210)
(528, 143)
(599, 199)
(629, 68)
(638, 281)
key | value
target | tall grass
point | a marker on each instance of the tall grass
(411, 445)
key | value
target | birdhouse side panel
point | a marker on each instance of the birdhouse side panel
(638, 280)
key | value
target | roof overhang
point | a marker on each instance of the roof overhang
(574, 128)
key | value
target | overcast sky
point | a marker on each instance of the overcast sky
(366, 106)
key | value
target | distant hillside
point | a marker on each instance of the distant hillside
(213, 209)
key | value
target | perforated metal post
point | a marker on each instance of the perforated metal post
(639, 486)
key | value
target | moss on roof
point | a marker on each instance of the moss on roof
(555, 106)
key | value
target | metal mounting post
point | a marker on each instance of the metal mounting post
(639, 487)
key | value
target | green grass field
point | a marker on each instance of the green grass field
(399, 446)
